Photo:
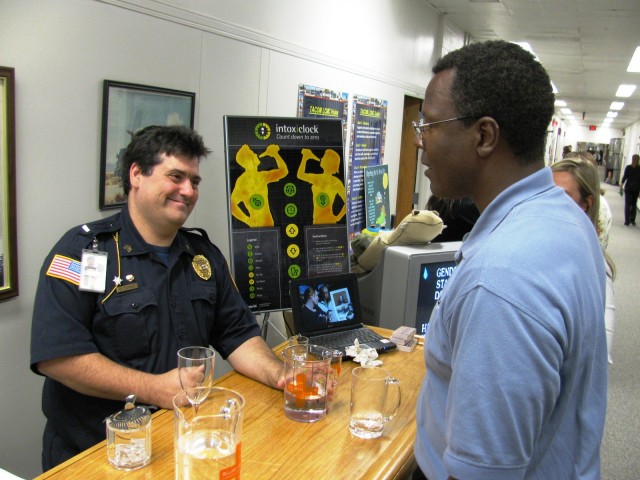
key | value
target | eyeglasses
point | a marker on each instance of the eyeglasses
(419, 127)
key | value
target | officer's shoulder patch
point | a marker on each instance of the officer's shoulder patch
(64, 268)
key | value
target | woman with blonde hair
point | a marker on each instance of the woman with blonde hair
(579, 179)
(605, 219)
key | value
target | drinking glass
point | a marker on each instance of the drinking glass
(195, 369)
(298, 340)
(375, 399)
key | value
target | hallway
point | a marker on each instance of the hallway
(621, 445)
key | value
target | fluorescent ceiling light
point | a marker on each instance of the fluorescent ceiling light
(625, 90)
(634, 64)
(566, 111)
(612, 114)
(560, 103)
(553, 86)
(616, 106)
(607, 120)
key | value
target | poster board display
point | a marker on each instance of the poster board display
(287, 204)
(367, 149)
(317, 102)
(376, 196)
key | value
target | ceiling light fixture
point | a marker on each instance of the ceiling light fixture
(612, 114)
(566, 111)
(625, 90)
(634, 64)
(560, 103)
(616, 106)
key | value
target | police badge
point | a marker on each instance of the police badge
(201, 266)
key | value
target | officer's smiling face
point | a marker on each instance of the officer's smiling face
(166, 196)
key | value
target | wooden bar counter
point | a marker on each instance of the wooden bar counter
(274, 446)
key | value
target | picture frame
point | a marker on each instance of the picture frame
(8, 235)
(127, 108)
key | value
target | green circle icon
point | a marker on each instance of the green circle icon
(256, 201)
(262, 131)
(290, 189)
(290, 210)
(294, 271)
(323, 200)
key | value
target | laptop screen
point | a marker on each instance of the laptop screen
(325, 303)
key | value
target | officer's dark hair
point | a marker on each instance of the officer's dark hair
(149, 143)
(502, 80)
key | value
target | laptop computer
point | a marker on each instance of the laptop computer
(326, 310)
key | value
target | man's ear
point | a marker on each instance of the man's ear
(488, 136)
(135, 172)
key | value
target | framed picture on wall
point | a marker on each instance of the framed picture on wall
(127, 108)
(8, 237)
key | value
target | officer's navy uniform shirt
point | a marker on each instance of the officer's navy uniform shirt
(158, 308)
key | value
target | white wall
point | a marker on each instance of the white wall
(631, 135)
(581, 133)
(241, 58)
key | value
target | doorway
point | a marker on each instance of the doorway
(406, 196)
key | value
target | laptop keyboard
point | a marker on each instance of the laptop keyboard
(346, 338)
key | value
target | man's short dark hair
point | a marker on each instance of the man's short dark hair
(502, 80)
(149, 143)
(308, 293)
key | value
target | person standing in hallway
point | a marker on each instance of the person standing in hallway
(579, 179)
(630, 183)
(604, 217)
(515, 352)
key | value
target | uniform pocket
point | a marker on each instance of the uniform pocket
(125, 331)
(203, 300)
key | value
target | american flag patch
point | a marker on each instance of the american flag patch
(65, 268)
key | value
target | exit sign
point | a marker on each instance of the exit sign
(592, 128)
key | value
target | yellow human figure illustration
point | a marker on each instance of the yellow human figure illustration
(325, 186)
(251, 188)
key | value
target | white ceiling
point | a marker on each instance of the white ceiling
(585, 45)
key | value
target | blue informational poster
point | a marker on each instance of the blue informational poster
(376, 194)
(367, 149)
(287, 204)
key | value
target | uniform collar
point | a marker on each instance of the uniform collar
(132, 243)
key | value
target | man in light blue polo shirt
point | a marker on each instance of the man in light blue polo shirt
(516, 354)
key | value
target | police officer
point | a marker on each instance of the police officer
(160, 288)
